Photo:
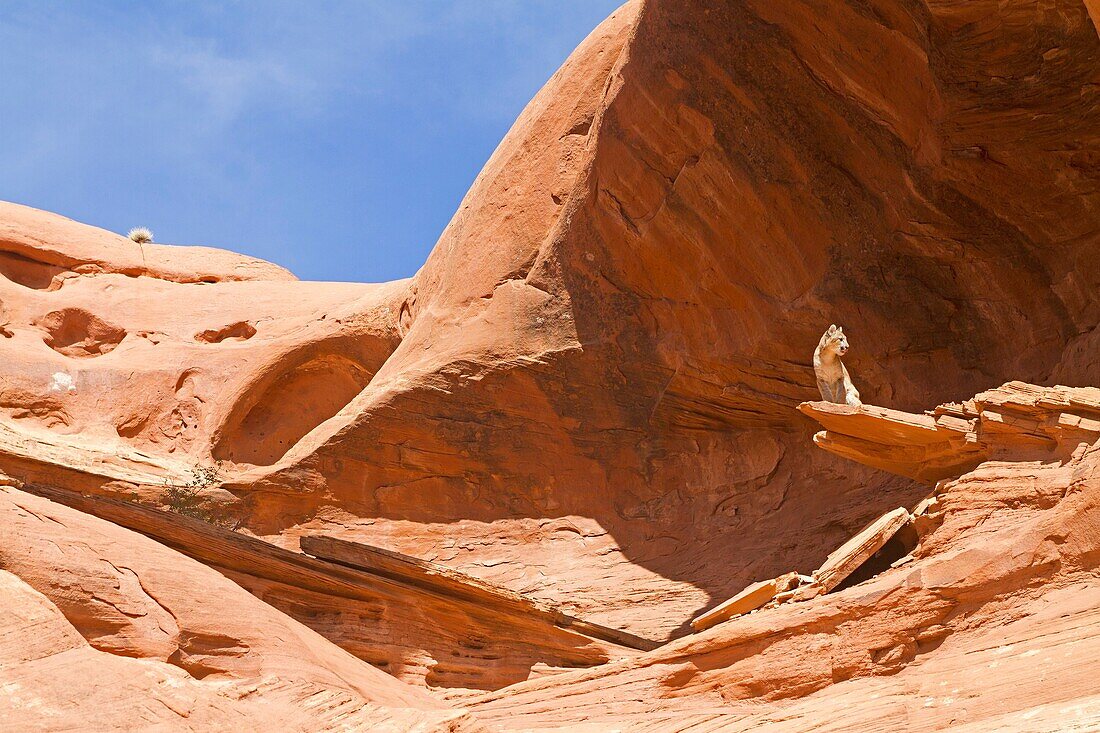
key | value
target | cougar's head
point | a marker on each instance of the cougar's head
(836, 340)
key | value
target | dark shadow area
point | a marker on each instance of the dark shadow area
(292, 405)
(27, 272)
(897, 547)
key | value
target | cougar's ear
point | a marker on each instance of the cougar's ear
(840, 329)
(832, 329)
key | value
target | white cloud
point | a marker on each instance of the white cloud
(226, 86)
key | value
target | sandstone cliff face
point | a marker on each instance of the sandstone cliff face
(587, 394)
(742, 184)
(996, 601)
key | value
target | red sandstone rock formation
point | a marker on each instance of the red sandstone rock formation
(103, 629)
(587, 396)
(990, 627)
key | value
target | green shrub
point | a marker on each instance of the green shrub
(188, 501)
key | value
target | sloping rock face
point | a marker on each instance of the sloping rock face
(997, 601)
(103, 629)
(587, 393)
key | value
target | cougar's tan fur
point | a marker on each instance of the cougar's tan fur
(832, 376)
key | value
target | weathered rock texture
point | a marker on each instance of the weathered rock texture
(1015, 420)
(990, 625)
(104, 629)
(587, 393)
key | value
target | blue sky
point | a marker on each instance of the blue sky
(334, 138)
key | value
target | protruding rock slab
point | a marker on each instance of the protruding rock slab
(421, 573)
(750, 599)
(847, 558)
(954, 438)
(454, 584)
(900, 442)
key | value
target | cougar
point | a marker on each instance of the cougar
(832, 376)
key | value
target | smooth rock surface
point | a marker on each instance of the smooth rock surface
(103, 629)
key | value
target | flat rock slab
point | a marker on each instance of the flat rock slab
(750, 599)
(451, 583)
(878, 424)
(922, 447)
(848, 557)
(955, 438)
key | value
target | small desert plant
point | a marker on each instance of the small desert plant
(187, 499)
(141, 235)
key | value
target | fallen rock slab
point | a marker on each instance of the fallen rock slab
(847, 558)
(454, 584)
(840, 565)
(750, 599)
(422, 633)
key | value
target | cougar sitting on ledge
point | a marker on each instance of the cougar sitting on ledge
(832, 377)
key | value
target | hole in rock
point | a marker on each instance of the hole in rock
(27, 272)
(76, 332)
(581, 127)
(897, 547)
(404, 319)
(47, 411)
(239, 331)
(291, 406)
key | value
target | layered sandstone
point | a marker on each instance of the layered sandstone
(103, 629)
(990, 626)
(1016, 419)
(586, 397)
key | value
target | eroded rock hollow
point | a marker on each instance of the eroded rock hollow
(496, 495)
